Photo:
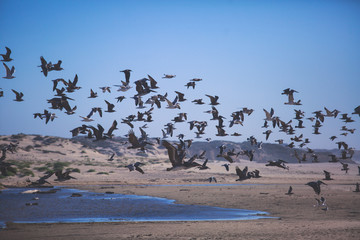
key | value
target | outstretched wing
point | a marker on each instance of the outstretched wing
(172, 152)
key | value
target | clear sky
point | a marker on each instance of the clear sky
(246, 52)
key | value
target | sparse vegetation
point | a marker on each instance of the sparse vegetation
(49, 151)
(74, 170)
(106, 173)
(91, 170)
(26, 172)
(57, 166)
(42, 169)
(18, 136)
(28, 148)
(20, 164)
(38, 138)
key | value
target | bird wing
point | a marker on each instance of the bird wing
(172, 152)
(133, 139)
(112, 128)
(17, 93)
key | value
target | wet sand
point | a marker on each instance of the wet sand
(297, 218)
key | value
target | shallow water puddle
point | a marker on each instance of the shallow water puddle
(72, 205)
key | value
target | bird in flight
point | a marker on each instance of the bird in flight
(6, 56)
(9, 72)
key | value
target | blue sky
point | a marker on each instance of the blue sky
(246, 52)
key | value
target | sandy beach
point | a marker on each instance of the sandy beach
(294, 216)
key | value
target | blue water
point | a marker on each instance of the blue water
(101, 207)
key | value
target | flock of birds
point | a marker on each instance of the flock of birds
(177, 151)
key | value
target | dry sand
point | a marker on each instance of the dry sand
(296, 216)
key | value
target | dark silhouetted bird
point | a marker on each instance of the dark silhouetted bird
(290, 191)
(19, 96)
(316, 186)
(327, 176)
(6, 57)
(9, 73)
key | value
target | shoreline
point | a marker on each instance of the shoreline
(297, 216)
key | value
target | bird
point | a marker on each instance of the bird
(357, 110)
(327, 176)
(279, 163)
(63, 176)
(198, 101)
(120, 98)
(316, 186)
(110, 107)
(213, 99)
(111, 129)
(44, 66)
(289, 191)
(168, 76)
(320, 202)
(190, 84)
(180, 96)
(152, 82)
(127, 76)
(203, 166)
(174, 104)
(345, 167)
(98, 132)
(105, 89)
(226, 165)
(19, 96)
(71, 85)
(176, 155)
(138, 142)
(242, 174)
(269, 115)
(56, 66)
(6, 56)
(136, 167)
(42, 180)
(267, 133)
(290, 93)
(9, 73)
(212, 179)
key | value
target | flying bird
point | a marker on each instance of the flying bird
(6, 56)
(290, 191)
(316, 186)
(327, 175)
(127, 76)
(135, 166)
(212, 179)
(110, 107)
(213, 99)
(9, 73)
(226, 165)
(19, 96)
(168, 76)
